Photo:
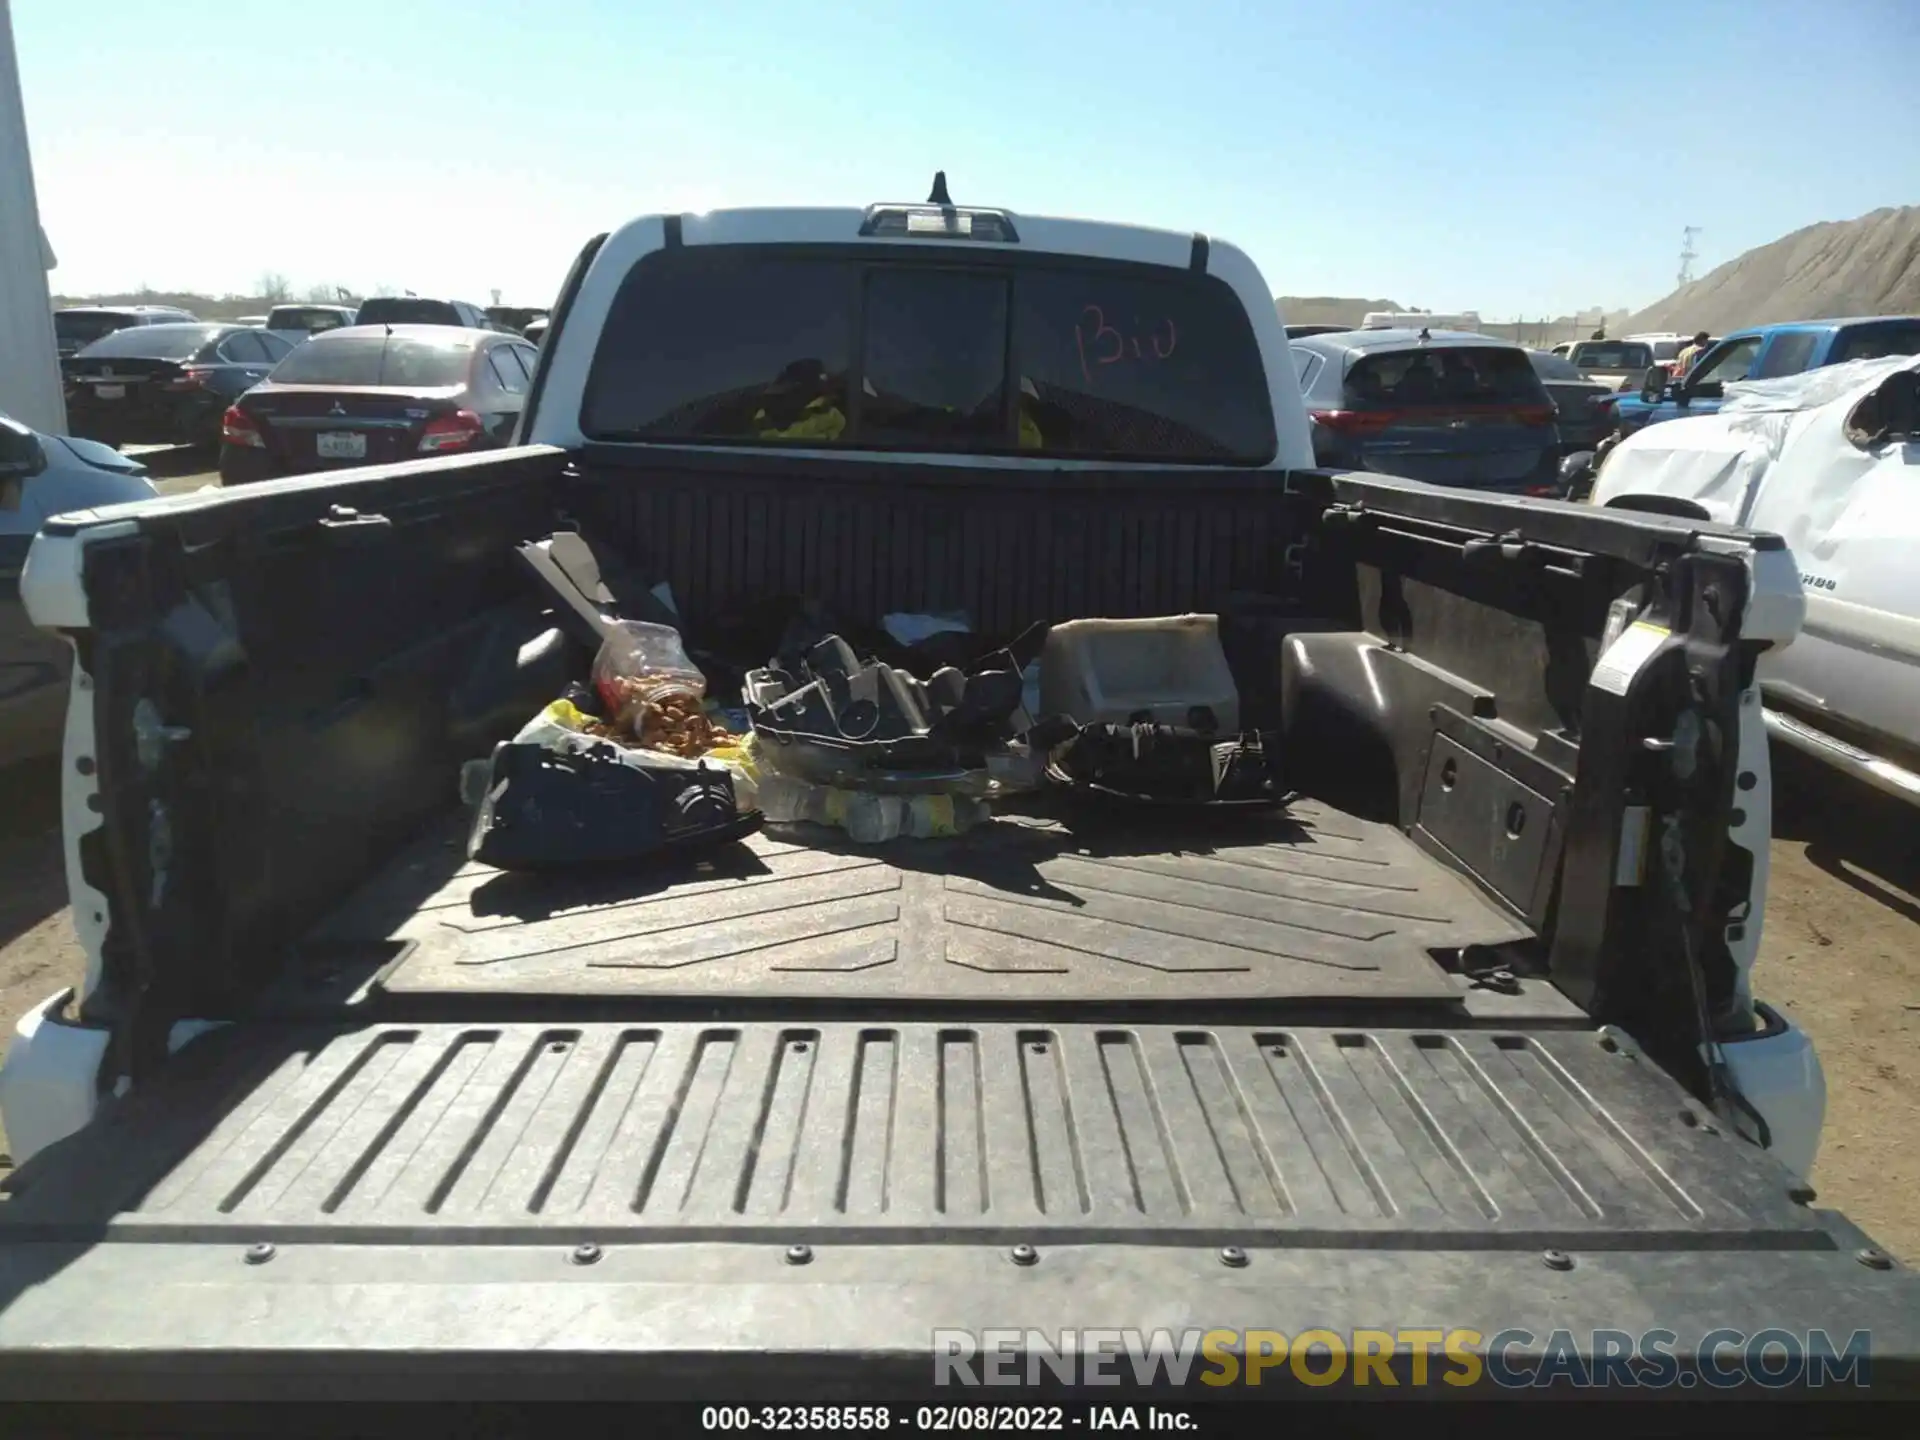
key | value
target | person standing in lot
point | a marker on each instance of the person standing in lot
(1684, 361)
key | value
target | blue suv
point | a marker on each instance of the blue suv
(1763, 352)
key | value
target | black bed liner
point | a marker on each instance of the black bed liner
(1307, 904)
(931, 1132)
(782, 1211)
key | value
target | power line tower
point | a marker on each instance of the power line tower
(1687, 253)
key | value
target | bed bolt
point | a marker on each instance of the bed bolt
(799, 1254)
(1556, 1259)
(587, 1254)
(1024, 1254)
(1874, 1259)
(1801, 1193)
(260, 1253)
(1233, 1256)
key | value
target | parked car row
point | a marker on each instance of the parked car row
(78, 326)
(166, 384)
(156, 375)
(1458, 407)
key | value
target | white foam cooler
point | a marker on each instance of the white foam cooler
(1108, 671)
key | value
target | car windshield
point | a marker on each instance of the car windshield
(407, 310)
(299, 317)
(83, 327)
(1435, 376)
(154, 342)
(1121, 362)
(408, 361)
(1612, 355)
(1666, 351)
(1877, 342)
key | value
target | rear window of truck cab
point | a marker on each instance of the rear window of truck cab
(294, 317)
(407, 310)
(1612, 355)
(1877, 342)
(1013, 354)
(83, 327)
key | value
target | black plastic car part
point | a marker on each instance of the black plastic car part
(1160, 764)
(838, 720)
(546, 810)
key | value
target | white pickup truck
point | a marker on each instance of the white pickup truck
(1465, 1034)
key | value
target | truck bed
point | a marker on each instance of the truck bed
(1307, 904)
(497, 1135)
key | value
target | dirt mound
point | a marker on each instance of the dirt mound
(1329, 309)
(1869, 266)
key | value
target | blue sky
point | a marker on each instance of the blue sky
(1520, 158)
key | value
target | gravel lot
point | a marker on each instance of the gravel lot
(1840, 950)
(176, 469)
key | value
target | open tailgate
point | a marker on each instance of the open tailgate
(401, 1208)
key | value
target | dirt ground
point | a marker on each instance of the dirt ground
(1840, 951)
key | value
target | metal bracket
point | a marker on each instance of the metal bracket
(152, 735)
(345, 517)
(1293, 558)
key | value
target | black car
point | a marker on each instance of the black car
(369, 395)
(165, 384)
(1578, 403)
(419, 310)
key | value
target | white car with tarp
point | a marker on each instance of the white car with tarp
(1830, 460)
